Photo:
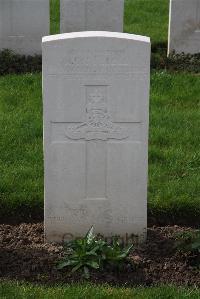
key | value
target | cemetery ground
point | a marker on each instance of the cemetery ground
(173, 192)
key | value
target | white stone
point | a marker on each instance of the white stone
(184, 26)
(96, 102)
(91, 15)
(23, 23)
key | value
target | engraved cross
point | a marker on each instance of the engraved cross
(97, 129)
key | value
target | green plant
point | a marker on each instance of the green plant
(189, 242)
(91, 252)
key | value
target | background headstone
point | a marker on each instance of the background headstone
(91, 15)
(96, 102)
(184, 26)
(23, 23)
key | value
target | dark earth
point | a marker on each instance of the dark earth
(25, 256)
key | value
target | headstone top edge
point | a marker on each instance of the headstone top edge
(85, 34)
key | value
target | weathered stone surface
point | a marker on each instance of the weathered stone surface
(23, 23)
(91, 15)
(184, 26)
(96, 102)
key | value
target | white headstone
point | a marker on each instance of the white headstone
(184, 26)
(91, 15)
(23, 23)
(96, 102)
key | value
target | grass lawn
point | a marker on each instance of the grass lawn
(15, 290)
(55, 16)
(174, 153)
(144, 17)
(21, 160)
(174, 147)
(147, 17)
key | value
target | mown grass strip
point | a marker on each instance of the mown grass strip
(16, 290)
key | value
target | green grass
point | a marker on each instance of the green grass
(14, 290)
(55, 16)
(21, 161)
(144, 17)
(174, 156)
(174, 152)
(147, 17)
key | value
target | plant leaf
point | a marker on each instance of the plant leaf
(196, 245)
(90, 235)
(77, 267)
(93, 264)
(86, 272)
(64, 264)
(128, 249)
